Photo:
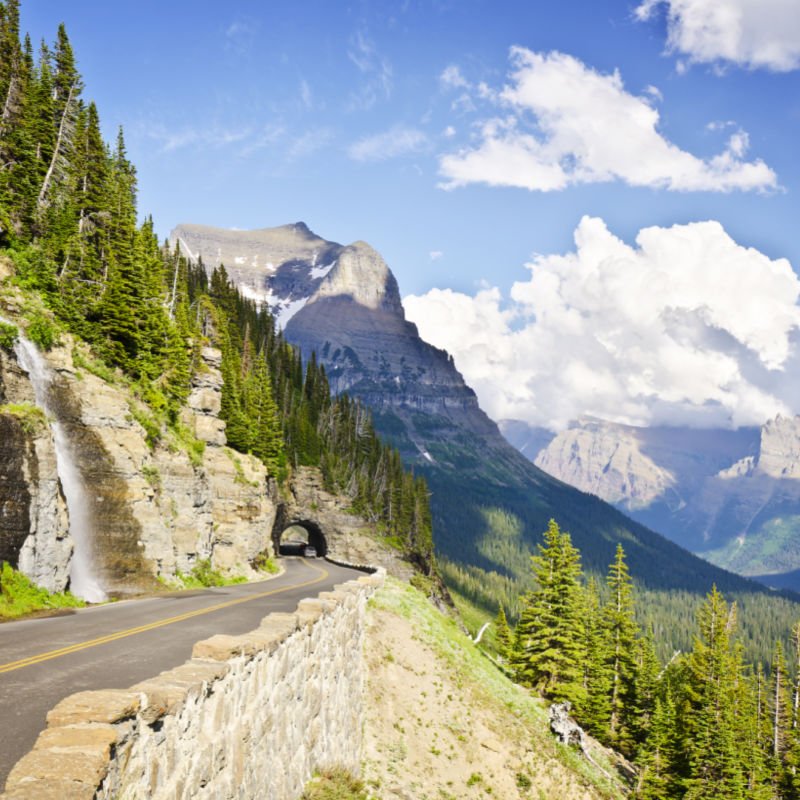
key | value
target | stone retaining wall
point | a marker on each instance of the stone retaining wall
(250, 716)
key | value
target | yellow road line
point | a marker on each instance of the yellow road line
(111, 637)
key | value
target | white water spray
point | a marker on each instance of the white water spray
(83, 581)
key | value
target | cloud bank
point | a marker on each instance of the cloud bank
(686, 327)
(750, 33)
(563, 123)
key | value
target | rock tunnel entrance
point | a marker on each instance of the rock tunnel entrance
(299, 534)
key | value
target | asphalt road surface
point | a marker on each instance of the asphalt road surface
(116, 645)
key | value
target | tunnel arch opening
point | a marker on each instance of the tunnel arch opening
(299, 534)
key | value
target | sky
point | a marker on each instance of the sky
(591, 204)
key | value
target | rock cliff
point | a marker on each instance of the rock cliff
(153, 510)
(732, 496)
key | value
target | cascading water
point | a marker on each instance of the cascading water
(83, 581)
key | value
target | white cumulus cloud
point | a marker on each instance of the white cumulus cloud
(560, 122)
(755, 34)
(685, 327)
(397, 141)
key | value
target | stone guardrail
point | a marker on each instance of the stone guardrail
(248, 716)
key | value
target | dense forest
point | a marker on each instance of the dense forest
(69, 223)
(704, 726)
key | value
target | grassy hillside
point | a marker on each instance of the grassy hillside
(449, 724)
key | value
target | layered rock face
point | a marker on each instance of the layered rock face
(34, 528)
(733, 496)
(153, 511)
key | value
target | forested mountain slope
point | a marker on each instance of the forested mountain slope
(490, 505)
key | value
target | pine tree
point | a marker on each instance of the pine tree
(646, 686)
(502, 635)
(550, 634)
(712, 750)
(621, 632)
(657, 779)
(596, 713)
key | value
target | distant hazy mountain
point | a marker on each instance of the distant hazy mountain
(731, 496)
(490, 504)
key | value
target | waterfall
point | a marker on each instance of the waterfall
(83, 581)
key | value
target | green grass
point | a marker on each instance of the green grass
(193, 446)
(203, 576)
(20, 596)
(94, 366)
(470, 667)
(32, 419)
(334, 784)
(265, 563)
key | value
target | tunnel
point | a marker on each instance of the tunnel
(298, 534)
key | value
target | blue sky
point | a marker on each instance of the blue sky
(461, 139)
(244, 114)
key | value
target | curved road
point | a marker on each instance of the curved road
(116, 645)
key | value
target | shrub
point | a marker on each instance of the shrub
(8, 335)
(95, 366)
(152, 428)
(42, 332)
(265, 563)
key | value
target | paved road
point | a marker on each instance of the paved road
(114, 646)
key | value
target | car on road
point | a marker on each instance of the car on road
(310, 552)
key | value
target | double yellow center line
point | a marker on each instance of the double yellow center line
(112, 637)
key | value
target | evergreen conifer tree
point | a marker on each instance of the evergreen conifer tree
(550, 633)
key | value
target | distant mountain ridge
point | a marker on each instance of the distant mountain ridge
(490, 503)
(732, 496)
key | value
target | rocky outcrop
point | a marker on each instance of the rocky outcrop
(34, 528)
(249, 717)
(599, 458)
(779, 448)
(154, 510)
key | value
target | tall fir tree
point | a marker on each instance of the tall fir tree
(550, 632)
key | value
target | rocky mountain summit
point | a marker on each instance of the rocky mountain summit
(490, 504)
(732, 496)
(280, 267)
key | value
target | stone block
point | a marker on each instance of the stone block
(280, 620)
(206, 400)
(102, 706)
(95, 738)
(223, 647)
(48, 789)
(56, 765)
(334, 598)
(210, 430)
(160, 698)
(309, 611)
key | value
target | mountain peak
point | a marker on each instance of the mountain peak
(362, 274)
